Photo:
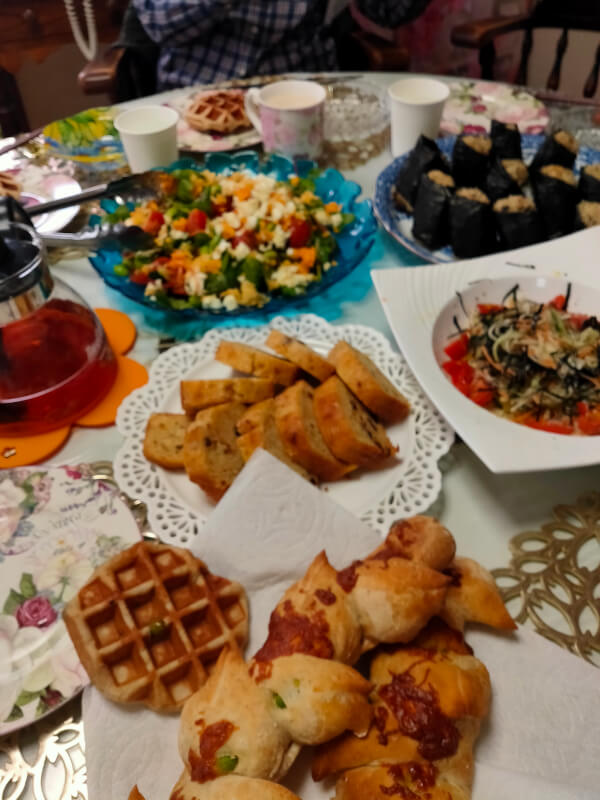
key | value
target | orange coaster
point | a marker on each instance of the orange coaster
(130, 376)
(19, 451)
(119, 329)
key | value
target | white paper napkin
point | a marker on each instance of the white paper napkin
(542, 740)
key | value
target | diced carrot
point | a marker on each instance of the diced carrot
(332, 208)
(306, 256)
(179, 224)
(244, 192)
(227, 231)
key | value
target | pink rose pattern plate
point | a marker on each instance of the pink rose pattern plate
(56, 527)
(473, 104)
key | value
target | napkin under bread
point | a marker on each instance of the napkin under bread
(540, 741)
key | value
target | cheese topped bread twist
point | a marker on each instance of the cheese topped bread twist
(249, 721)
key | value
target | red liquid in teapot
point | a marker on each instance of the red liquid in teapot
(55, 365)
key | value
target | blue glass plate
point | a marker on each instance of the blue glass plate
(354, 242)
(399, 224)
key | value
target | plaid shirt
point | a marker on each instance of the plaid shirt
(203, 41)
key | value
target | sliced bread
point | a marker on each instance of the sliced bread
(211, 455)
(259, 430)
(196, 395)
(252, 361)
(302, 439)
(368, 383)
(350, 431)
(163, 441)
(300, 354)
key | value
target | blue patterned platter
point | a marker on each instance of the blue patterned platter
(354, 241)
(399, 224)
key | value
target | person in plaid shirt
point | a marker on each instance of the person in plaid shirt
(203, 41)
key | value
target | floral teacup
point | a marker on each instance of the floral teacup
(289, 116)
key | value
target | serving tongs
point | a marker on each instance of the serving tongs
(133, 188)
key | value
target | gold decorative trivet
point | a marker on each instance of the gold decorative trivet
(553, 580)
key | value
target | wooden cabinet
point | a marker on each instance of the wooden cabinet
(34, 29)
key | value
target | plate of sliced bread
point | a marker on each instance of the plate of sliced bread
(334, 403)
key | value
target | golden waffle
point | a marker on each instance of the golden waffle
(150, 623)
(9, 185)
(222, 112)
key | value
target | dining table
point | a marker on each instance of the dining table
(486, 512)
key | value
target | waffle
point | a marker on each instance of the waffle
(9, 185)
(151, 622)
(222, 112)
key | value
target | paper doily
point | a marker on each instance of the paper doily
(177, 509)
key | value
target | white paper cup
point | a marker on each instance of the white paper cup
(416, 106)
(149, 136)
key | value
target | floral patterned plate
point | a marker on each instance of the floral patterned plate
(473, 104)
(56, 527)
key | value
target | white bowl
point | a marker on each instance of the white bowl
(421, 304)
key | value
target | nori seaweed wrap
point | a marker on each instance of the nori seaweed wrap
(557, 148)
(516, 169)
(431, 209)
(589, 183)
(499, 182)
(587, 214)
(555, 193)
(424, 157)
(506, 140)
(472, 230)
(470, 160)
(518, 221)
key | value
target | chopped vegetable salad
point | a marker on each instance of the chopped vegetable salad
(221, 242)
(535, 363)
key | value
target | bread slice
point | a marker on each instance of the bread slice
(350, 431)
(211, 455)
(258, 429)
(368, 383)
(300, 354)
(163, 442)
(254, 362)
(302, 439)
(196, 395)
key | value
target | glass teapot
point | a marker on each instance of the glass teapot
(55, 361)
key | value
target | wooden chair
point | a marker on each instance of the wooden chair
(562, 14)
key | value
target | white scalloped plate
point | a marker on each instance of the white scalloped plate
(177, 508)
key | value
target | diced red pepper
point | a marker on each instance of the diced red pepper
(216, 209)
(488, 308)
(461, 374)
(558, 302)
(196, 221)
(247, 237)
(481, 392)
(550, 426)
(139, 277)
(458, 348)
(300, 231)
(577, 320)
(588, 421)
(154, 223)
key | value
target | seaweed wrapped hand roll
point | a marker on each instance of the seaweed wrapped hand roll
(431, 209)
(499, 182)
(472, 231)
(518, 221)
(470, 160)
(557, 148)
(424, 157)
(589, 183)
(587, 215)
(506, 140)
(556, 195)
